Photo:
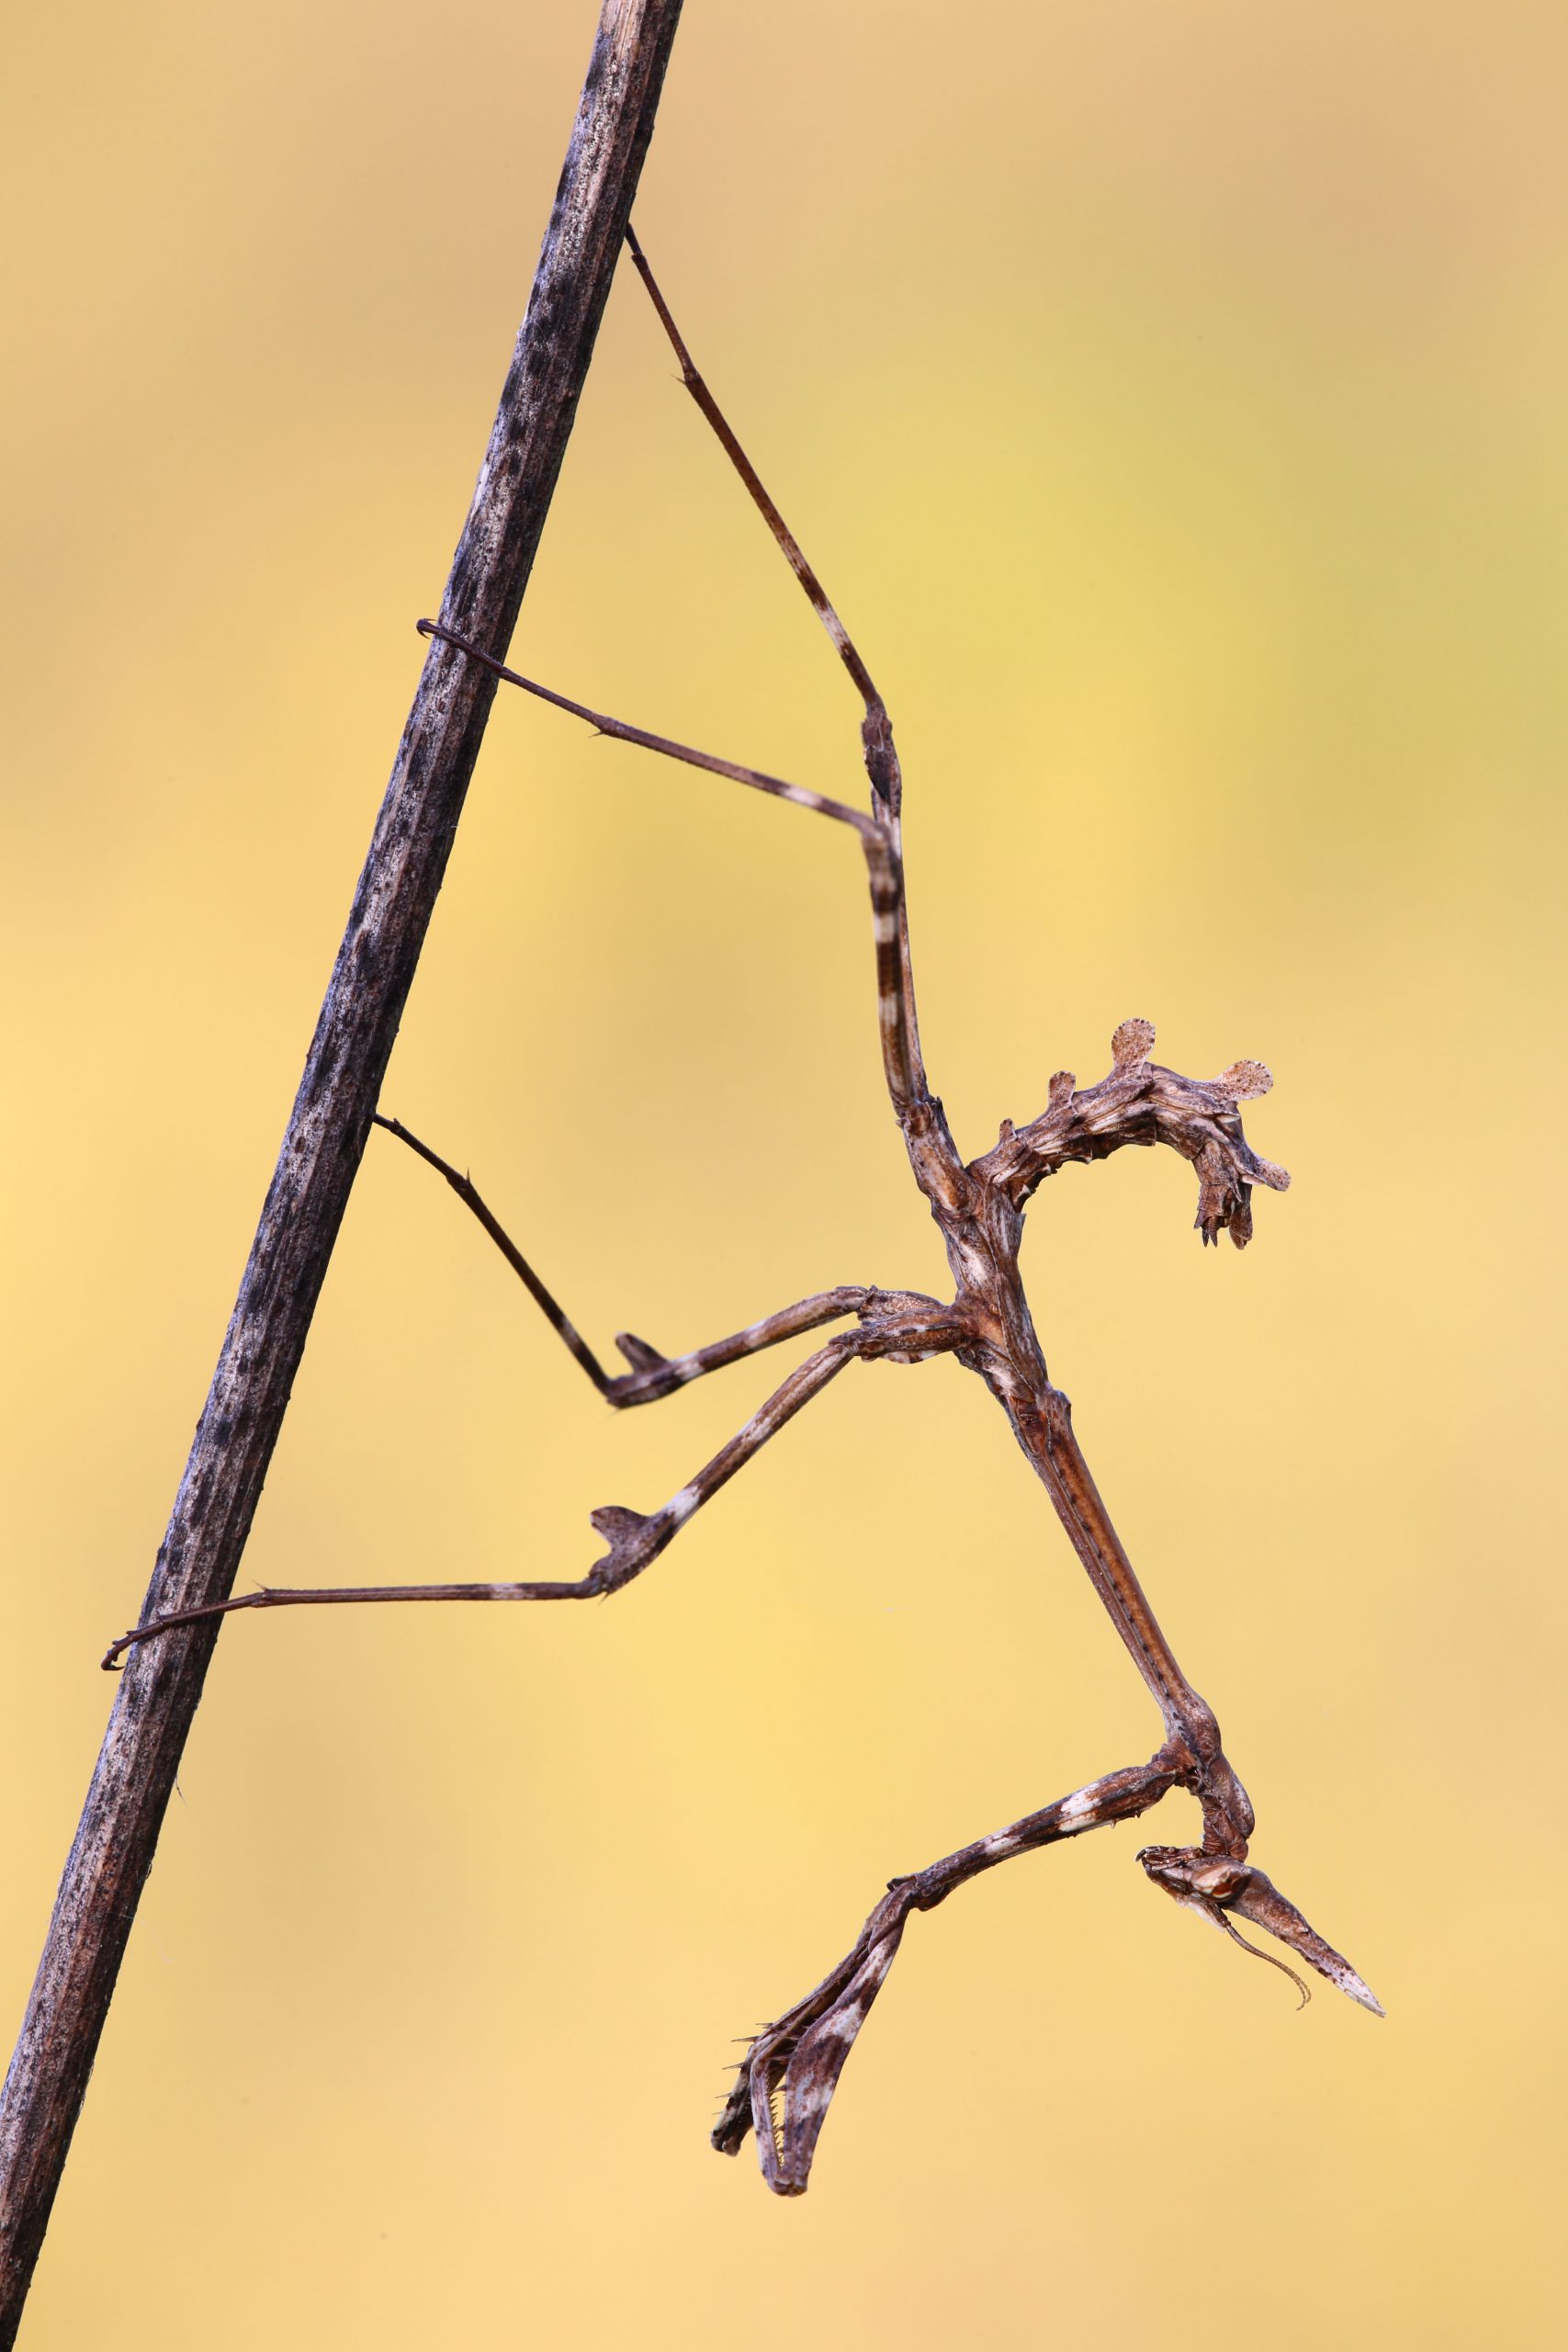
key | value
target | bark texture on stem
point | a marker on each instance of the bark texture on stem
(325, 1136)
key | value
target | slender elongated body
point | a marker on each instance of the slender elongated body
(784, 2084)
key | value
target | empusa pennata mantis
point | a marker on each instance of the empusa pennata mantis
(789, 2075)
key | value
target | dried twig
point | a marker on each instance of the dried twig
(326, 1131)
(793, 2067)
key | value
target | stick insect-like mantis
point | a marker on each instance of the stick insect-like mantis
(788, 2077)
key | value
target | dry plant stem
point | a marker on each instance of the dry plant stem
(327, 1128)
(792, 2069)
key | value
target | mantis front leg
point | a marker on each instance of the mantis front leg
(789, 2075)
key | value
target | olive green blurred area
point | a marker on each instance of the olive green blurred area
(1172, 396)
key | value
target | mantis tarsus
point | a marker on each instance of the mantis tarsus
(789, 2075)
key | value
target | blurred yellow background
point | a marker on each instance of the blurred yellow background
(1172, 396)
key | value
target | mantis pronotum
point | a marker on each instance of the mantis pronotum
(789, 2075)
